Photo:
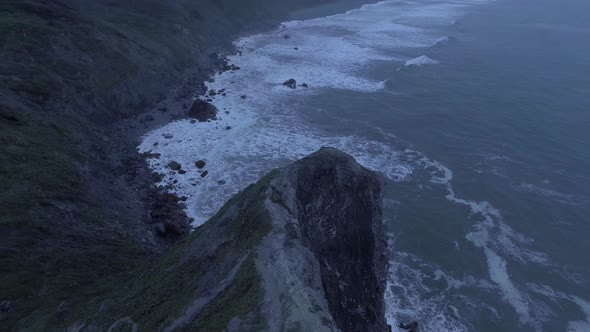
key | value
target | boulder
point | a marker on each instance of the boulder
(202, 111)
(290, 83)
(200, 164)
(174, 166)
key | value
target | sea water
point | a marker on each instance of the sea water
(477, 114)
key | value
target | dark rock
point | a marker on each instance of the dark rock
(212, 92)
(181, 171)
(200, 164)
(221, 182)
(174, 166)
(296, 48)
(341, 220)
(244, 97)
(286, 36)
(228, 128)
(202, 111)
(204, 174)
(193, 121)
(183, 199)
(304, 85)
(224, 94)
(155, 144)
(209, 100)
(168, 136)
(411, 327)
(291, 83)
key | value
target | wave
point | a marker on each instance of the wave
(420, 61)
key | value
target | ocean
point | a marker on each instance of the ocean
(477, 114)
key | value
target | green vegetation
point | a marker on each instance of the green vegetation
(242, 298)
(162, 292)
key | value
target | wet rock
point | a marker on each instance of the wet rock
(200, 164)
(304, 85)
(168, 136)
(155, 144)
(296, 48)
(290, 83)
(173, 165)
(412, 327)
(244, 97)
(202, 111)
(228, 128)
(181, 171)
(204, 174)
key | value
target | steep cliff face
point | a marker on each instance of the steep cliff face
(301, 250)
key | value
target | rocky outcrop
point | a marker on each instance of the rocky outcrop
(302, 250)
(324, 262)
(202, 111)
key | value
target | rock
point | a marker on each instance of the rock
(155, 144)
(212, 92)
(286, 36)
(181, 171)
(296, 48)
(193, 121)
(304, 85)
(244, 97)
(174, 166)
(204, 174)
(200, 164)
(221, 182)
(291, 83)
(224, 94)
(163, 109)
(411, 327)
(168, 136)
(337, 204)
(202, 111)
(227, 127)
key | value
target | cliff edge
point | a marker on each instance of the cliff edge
(304, 249)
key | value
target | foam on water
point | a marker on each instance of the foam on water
(420, 61)
(265, 130)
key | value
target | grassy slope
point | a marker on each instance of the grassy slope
(162, 292)
(61, 71)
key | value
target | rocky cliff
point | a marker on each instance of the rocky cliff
(303, 249)
(80, 82)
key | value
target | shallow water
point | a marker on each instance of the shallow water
(476, 112)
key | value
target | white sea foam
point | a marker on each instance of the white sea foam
(420, 61)
(266, 131)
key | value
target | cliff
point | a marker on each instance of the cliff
(80, 82)
(303, 249)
